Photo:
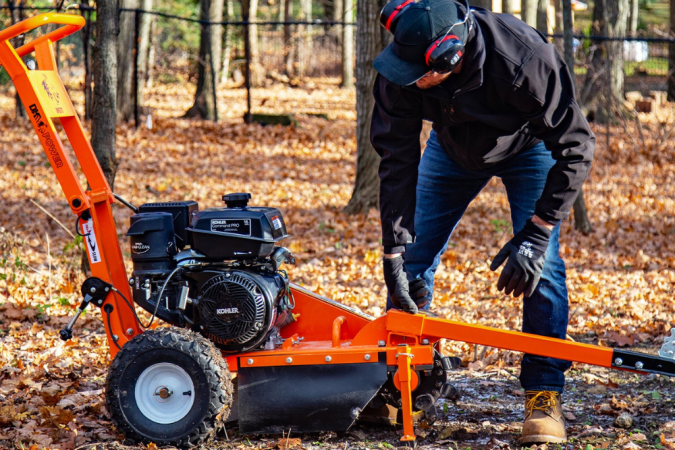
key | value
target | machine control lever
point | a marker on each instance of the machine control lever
(94, 290)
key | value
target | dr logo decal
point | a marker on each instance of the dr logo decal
(90, 239)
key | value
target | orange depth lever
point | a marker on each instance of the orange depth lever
(45, 100)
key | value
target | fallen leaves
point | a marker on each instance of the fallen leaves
(620, 279)
(286, 443)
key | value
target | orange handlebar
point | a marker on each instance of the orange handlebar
(72, 24)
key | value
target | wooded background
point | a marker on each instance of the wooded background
(620, 278)
(621, 46)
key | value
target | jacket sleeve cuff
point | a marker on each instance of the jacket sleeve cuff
(554, 218)
(394, 249)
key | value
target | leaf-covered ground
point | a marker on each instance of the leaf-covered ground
(621, 277)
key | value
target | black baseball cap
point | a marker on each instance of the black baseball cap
(403, 61)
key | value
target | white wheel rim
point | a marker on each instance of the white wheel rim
(161, 393)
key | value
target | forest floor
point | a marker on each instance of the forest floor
(620, 277)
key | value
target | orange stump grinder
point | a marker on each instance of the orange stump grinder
(303, 362)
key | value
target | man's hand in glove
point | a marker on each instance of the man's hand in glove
(419, 292)
(526, 253)
(397, 284)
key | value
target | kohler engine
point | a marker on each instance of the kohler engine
(215, 271)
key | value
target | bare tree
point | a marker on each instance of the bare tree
(104, 114)
(208, 64)
(371, 38)
(87, 42)
(617, 21)
(249, 10)
(288, 44)
(605, 77)
(581, 220)
(125, 61)
(143, 48)
(528, 12)
(227, 47)
(16, 14)
(336, 9)
(508, 6)
(558, 24)
(151, 53)
(347, 45)
(542, 16)
(671, 55)
(634, 12)
(305, 49)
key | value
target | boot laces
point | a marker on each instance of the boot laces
(541, 400)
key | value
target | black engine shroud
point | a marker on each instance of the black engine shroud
(215, 271)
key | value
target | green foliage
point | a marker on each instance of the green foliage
(76, 243)
(500, 225)
(42, 308)
(4, 77)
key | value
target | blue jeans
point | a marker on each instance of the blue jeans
(444, 191)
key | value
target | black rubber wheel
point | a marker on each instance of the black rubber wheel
(169, 386)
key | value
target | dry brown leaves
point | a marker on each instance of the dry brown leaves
(620, 278)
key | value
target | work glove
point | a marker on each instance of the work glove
(526, 254)
(419, 292)
(397, 284)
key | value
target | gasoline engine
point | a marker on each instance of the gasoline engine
(214, 271)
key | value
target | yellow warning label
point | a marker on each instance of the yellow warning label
(51, 93)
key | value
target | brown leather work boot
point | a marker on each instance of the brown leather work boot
(544, 420)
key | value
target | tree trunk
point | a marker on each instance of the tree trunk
(151, 53)
(335, 12)
(487, 4)
(634, 12)
(337, 9)
(581, 220)
(348, 45)
(528, 12)
(508, 6)
(227, 48)
(558, 25)
(143, 46)
(542, 16)
(16, 14)
(125, 61)
(568, 39)
(86, 46)
(205, 105)
(104, 113)
(671, 55)
(305, 53)
(250, 13)
(371, 38)
(605, 77)
(281, 13)
(617, 16)
(288, 43)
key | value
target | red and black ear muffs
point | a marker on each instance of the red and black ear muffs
(392, 12)
(445, 54)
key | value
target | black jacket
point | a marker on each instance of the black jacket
(513, 92)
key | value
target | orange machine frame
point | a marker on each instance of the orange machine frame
(326, 332)
(45, 99)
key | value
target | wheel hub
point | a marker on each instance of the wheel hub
(154, 393)
(163, 392)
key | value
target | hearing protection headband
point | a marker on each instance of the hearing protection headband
(446, 52)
